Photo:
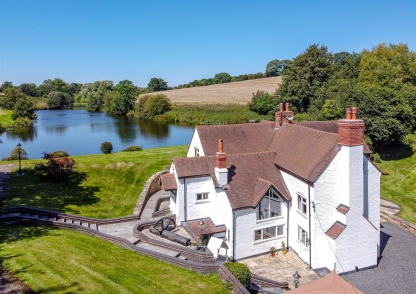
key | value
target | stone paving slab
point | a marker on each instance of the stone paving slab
(281, 268)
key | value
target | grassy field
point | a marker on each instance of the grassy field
(236, 92)
(210, 114)
(51, 260)
(6, 117)
(400, 185)
(105, 185)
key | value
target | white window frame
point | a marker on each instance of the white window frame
(302, 206)
(271, 238)
(302, 233)
(196, 151)
(269, 194)
(204, 197)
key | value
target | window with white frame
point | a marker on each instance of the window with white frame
(201, 196)
(196, 149)
(268, 233)
(302, 204)
(270, 206)
(302, 236)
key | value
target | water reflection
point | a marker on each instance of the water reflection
(22, 134)
(82, 132)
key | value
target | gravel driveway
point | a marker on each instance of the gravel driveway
(396, 272)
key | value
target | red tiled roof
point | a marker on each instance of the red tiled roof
(244, 171)
(209, 227)
(168, 182)
(302, 151)
(343, 209)
(238, 138)
(330, 126)
(336, 230)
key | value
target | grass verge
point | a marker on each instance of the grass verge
(210, 114)
(400, 185)
(51, 260)
(6, 117)
(104, 186)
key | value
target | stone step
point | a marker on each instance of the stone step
(77, 223)
(133, 240)
(85, 224)
(182, 257)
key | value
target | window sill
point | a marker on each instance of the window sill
(201, 201)
(301, 213)
(268, 219)
(270, 239)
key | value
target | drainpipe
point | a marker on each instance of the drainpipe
(234, 230)
(310, 247)
(185, 199)
(287, 228)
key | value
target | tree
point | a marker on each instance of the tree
(24, 108)
(124, 99)
(57, 168)
(157, 84)
(74, 88)
(56, 100)
(222, 77)
(10, 97)
(14, 154)
(151, 105)
(275, 67)
(305, 76)
(106, 147)
(95, 102)
(28, 89)
(388, 65)
(5, 85)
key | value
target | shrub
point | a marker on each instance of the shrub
(24, 108)
(106, 147)
(375, 157)
(151, 105)
(263, 103)
(22, 122)
(241, 272)
(133, 148)
(14, 154)
(57, 168)
(60, 153)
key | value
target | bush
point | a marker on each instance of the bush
(151, 105)
(375, 157)
(57, 168)
(60, 153)
(133, 148)
(14, 154)
(22, 122)
(263, 103)
(24, 108)
(106, 147)
(241, 272)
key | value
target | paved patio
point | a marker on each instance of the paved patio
(281, 268)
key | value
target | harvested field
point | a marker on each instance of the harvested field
(236, 92)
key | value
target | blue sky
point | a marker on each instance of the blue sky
(180, 41)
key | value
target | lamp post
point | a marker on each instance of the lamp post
(296, 281)
(20, 166)
(201, 244)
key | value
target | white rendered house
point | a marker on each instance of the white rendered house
(309, 184)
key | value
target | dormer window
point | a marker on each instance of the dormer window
(196, 149)
(270, 206)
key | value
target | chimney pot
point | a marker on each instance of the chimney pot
(354, 113)
(287, 106)
(281, 107)
(220, 146)
(348, 113)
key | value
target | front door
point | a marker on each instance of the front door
(303, 243)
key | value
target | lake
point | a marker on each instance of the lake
(81, 132)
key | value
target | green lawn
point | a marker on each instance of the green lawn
(6, 117)
(400, 185)
(51, 260)
(105, 185)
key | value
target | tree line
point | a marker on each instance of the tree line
(380, 82)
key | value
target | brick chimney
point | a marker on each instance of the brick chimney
(351, 129)
(281, 116)
(221, 172)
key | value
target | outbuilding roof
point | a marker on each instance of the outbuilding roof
(168, 182)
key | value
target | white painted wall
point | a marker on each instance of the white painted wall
(297, 218)
(246, 224)
(374, 194)
(195, 142)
